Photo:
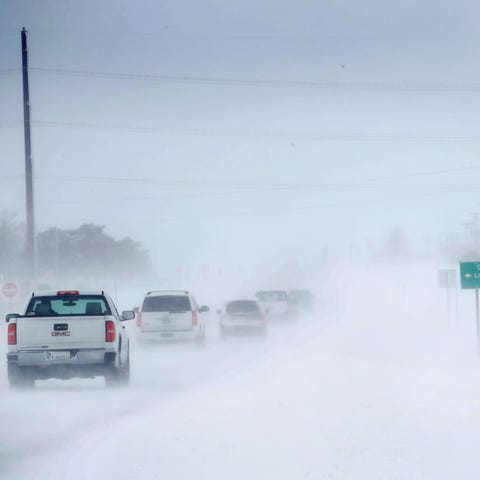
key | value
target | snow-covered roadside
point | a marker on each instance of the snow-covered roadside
(310, 414)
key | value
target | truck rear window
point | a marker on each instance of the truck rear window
(68, 305)
(167, 303)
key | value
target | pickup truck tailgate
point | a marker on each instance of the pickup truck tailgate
(60, 332)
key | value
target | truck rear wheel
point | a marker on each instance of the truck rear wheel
(118, 376)
(19, 378)
(125, 372)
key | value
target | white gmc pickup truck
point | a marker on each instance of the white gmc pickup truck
(68, 334)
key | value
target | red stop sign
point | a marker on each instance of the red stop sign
(10, 290)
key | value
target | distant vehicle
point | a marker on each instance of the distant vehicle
(276, 302)
(302, 300)
(242, 316)
(171, 315)
(68, 334)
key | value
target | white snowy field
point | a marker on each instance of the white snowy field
(382, 388)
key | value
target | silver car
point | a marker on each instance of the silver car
(242, 316)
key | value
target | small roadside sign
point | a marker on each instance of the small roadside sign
(470, 275)
(10, 290)
(470, 279)
(447, 278)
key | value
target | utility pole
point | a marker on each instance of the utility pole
(475, 216)
(468, 230)
(30, 246)
(475, 232)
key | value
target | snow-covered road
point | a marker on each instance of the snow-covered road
(383, 389)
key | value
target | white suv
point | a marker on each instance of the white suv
(171, 315)
(277, 304)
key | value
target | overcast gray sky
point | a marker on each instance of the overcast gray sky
(208, 129)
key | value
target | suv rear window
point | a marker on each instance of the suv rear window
(68, 305)
(167, 303)
(242, 306)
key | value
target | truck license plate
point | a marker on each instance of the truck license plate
(56, 356)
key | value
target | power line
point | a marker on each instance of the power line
(403, 197)
(252, 213)
(9, 71)
(364, 186)
(103, 200)
(19, 176)
(428, 173)
(426, 137)
(224, 183)
(236, 183)
(244, 82)
(12, 124)
(169, 34)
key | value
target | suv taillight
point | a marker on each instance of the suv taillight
(12, 334)
(139, 319)
(109, 331)
(194, 319)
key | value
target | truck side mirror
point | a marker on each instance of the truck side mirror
(127, 315)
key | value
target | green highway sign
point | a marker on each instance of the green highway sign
(470, 274)
(470, 278)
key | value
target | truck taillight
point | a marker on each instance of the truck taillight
(194, 319)
(139, 319)
(12, 334)
(109, 331)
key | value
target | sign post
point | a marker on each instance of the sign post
(447, 279)
(470, 279)
(477, 316)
